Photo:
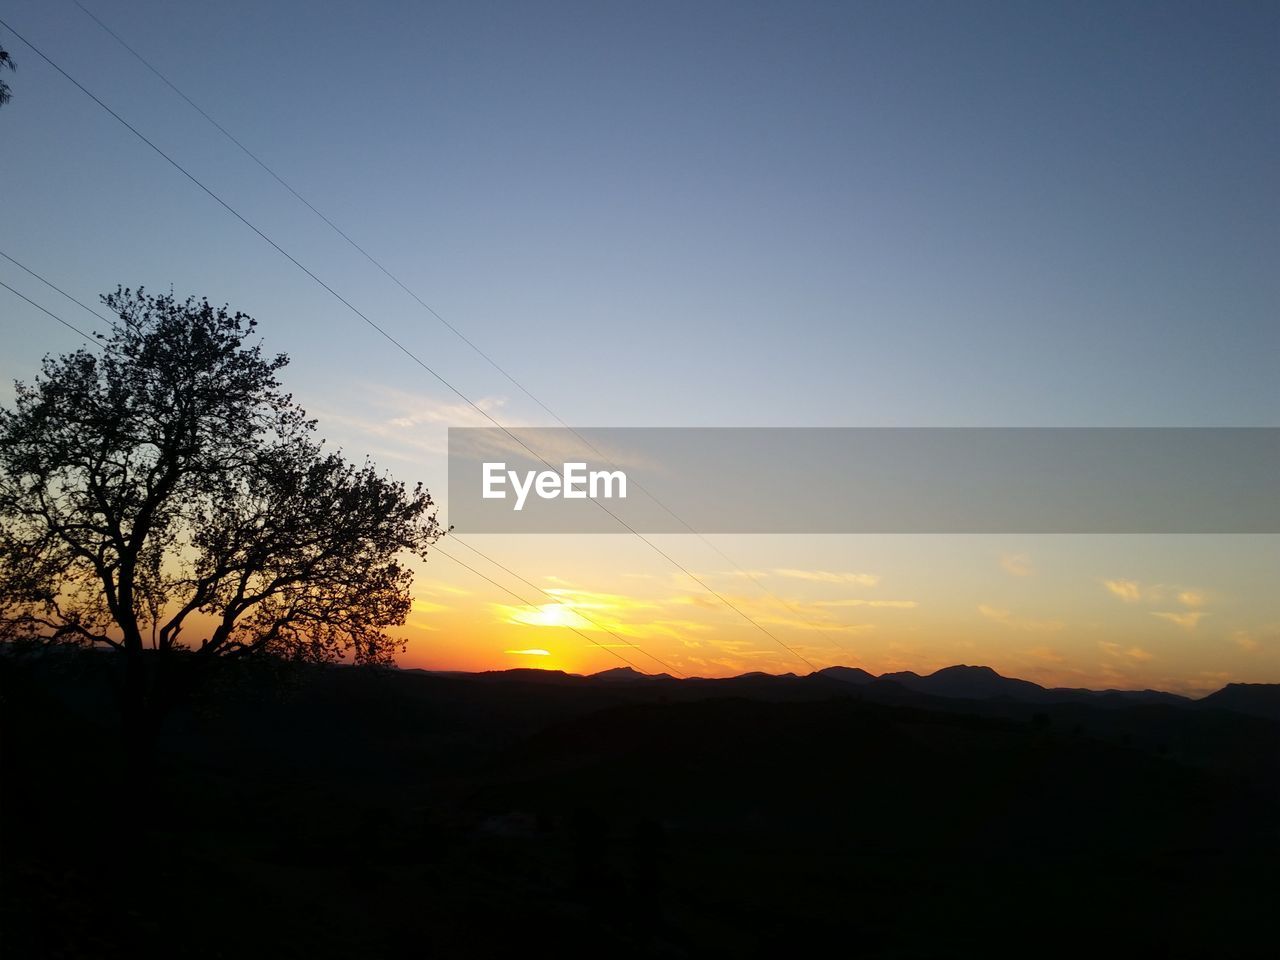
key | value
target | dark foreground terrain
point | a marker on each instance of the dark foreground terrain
(344, 812)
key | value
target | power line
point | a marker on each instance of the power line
(310, 206)
(235, 213)
(474, 550)
(281, 250)
(437, 549)
(548, 593)
(69, 326)
(387, 336)
(53, 287)
(602, 646)
(715, 593)
(426, 306)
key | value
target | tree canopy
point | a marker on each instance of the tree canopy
(165, 493)
(6, 62)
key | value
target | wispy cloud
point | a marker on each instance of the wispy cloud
(1006, 617)
(535, 652)
(1132, 653)
(416, 411)
(1047, 654)
(1127, 590)
(1131, 591)
(555, 445)
(829, 576)
(594, 600)
(1017, 564)
(1187, 620)
(859, 602)
(1246, 641)
(795, 624)
(409, 425)
(434, 587)
(418, 605)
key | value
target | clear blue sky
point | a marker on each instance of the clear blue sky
(699, 213)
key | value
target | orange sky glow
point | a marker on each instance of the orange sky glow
(1062, 611)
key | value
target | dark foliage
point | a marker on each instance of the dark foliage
(6, 62)
(166, 495)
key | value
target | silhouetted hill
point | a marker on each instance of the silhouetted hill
(970, 683)
(1114, 698)
(847, 674)
(524, 675)
(627, 675)
(349, 811)
(1255, 699)
(960, 682)
(983, 683)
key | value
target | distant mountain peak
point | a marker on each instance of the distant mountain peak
(961, 681)
(967, 681)
(965, 668)
(846, 674)
(626, 675)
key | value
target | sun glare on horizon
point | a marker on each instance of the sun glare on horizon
(548, 615)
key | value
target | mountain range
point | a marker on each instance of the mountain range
(959, 682)
(639, 816)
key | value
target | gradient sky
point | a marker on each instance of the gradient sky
(710, 214)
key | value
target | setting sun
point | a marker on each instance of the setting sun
(548, 615)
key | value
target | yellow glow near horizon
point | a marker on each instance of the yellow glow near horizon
(548, 615)
(1184, 614)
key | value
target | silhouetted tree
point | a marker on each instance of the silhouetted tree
(166, 494)
(6, 61)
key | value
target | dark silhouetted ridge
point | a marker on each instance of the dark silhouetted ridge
(1255, 699)
(847, 674)
(627, 675)
(968, 683)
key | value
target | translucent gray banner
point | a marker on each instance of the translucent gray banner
(865, 480)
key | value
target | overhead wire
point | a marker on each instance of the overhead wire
(390, 338)
(438, 316)
(436, 547)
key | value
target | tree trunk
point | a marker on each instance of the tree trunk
(137, 720)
